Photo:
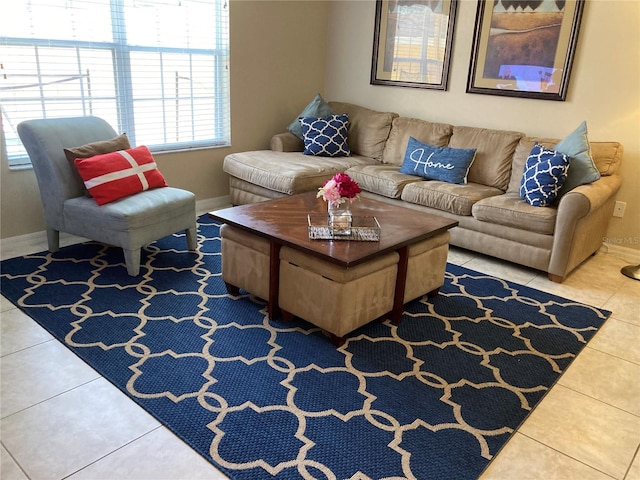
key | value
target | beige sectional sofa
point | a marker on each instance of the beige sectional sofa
(492, 217)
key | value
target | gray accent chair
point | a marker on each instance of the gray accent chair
(129, 223)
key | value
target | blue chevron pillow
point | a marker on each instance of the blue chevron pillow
(544, 174)
(326, 136)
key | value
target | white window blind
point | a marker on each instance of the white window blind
(157, 70)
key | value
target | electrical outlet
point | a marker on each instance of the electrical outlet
(618, 210)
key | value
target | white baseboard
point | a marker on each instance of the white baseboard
(37, 241)
(209, 204)
(631, 255)
(32, 243)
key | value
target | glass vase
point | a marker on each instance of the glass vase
(340, 218)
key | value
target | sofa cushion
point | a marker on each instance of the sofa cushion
(288, 172)
(525, 145)
(368, 130)
(607, 156)
(448, 197)
(325, 136)
(316, 108)
(511, 211)
(495, 148)
(286, 142)
(437, 163)
(384, 180)
(544, 174)
(402, 128)
(582, 169)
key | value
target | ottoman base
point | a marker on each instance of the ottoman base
(335, 298)
(245, 262)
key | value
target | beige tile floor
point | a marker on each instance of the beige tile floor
(60, 419)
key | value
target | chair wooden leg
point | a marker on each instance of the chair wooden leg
(132, 260)
(192, 239)
(53, 240)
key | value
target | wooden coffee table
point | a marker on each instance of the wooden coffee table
(283, 222)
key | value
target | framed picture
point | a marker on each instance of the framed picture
(412, 43)
(524, 48)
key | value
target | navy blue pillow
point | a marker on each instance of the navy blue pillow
(437, 163)
(544, 174)
(326, 136)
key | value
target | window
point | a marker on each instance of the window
(157, 70)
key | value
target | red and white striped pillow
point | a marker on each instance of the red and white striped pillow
(111, 176)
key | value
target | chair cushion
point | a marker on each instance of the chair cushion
(153, 207)
(111, 176)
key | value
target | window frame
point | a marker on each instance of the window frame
(124, 99)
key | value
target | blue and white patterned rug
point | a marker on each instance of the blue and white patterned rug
(434, 397)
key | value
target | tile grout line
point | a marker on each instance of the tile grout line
(636, 456)
(614, 356)
(14, 459)
(99, 377)
(38, 344)
(160, 426)
(594, 398)
(567, 456)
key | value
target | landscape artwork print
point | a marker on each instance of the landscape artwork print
(412, 43)
(524, 47)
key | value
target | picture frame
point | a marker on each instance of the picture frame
(412, 43)
(525, 50)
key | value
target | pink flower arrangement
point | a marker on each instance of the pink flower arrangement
(339, 189)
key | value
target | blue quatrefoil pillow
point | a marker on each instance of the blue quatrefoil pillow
(544, 174)
(326, 136)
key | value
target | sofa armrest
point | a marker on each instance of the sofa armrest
(581, 224)
(286, 142)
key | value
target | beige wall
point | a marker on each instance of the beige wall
(604, 88)
(277, 65)
(278, 55)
